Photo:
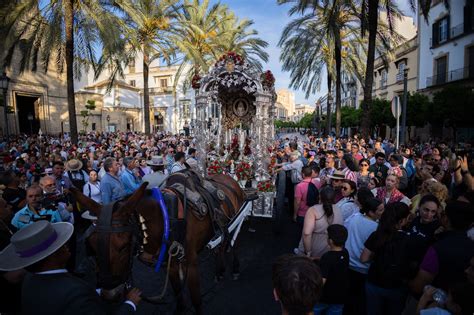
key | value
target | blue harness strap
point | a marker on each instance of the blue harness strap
(158, 196)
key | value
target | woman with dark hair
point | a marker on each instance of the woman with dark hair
(387, 250)
(363, 176)
(426, 221)
(360, 227)
(347, 204)
(314, 241)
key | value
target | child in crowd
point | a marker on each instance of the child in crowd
(335, 272)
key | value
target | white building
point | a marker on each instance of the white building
(301, 110)
(446, 44)
(168, 112)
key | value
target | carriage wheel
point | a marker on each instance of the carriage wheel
(279, 206)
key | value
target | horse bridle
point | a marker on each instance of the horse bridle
(105, 226)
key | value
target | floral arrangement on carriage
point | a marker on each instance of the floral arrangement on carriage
(271, 165)
(215, 168)
(268, 80)
(244, 172)
(263, 206)
(230, 57)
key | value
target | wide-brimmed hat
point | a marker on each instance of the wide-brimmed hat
(337, 175)
(34, 243)
(156, 160)
(88, 216)
(73, 165)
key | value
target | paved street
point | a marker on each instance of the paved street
(251, 294)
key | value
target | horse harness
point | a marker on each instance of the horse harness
(105, 226)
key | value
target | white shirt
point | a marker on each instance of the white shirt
(93, 191)
(177, 167)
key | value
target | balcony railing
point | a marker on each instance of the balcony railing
(167, 89)
(453, 33)
(450, 76)
(383, 84)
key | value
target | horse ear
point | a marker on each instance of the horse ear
(135, 198)
(86, 202)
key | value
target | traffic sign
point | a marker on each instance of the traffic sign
(396, 107)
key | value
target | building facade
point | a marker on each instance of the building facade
(446, 45)
(301, 110)
(285, 104)
(389, 78)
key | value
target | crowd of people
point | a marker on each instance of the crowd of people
(381, 230)
(392, 231)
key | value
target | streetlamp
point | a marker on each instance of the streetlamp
(404, 109)
(30, 119)
(108, 122)
(4, 81)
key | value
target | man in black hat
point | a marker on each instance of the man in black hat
(49, 289)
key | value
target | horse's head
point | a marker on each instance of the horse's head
(117, 226)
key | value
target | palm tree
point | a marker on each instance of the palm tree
(205, 33)
(318, 38)
(68, 32)
(148, 26)
(235, 35)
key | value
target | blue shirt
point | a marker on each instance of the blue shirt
(130, 181)
(111, 189)
(26, 217)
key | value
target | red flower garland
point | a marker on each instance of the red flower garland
(268, 79)
(215, 168)
(244, 171)
(232, 57)
(265, 186)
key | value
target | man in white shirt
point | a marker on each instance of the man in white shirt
(178, 165)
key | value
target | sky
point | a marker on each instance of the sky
(270, 19)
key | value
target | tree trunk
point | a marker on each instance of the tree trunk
(369, 71)
(146, 94)
(69, 30)
(338, 85)
(328, 108)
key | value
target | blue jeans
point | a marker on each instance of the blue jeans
(385, 301)
(328, 309)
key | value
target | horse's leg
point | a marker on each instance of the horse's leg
(235, 263)
(193, 282)
(220, 263)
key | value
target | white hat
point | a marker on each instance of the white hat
(34, 243)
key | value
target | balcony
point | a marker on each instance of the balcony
(383, 84)
(450, 76)
(157, 90)
(453, 33)
(399, 77)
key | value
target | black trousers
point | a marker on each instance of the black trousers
(356, 302)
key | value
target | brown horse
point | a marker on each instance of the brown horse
(119, 238)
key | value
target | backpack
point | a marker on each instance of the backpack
(312, 196)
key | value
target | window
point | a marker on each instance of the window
(131, 66)
(132, 83)
(93, 127)
(443, 30)
(441, 68)
(401, 69)
(164, 82)
(383, 79)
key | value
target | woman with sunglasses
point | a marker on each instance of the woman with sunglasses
(363, 176)
(348, 203)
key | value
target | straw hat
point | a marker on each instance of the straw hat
(34, 243)
(156, 160)
(73, 165)
(337, 175)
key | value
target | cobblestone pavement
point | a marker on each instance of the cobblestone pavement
(251, 294)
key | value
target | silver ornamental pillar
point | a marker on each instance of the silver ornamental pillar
(201, 103)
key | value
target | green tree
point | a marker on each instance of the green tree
(148, 26)
(69, 32)
(90, 106)
(451, 108)
(306, 121)
(350, 116)
(381, 114)
(326, 38)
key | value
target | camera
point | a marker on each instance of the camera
(51, 201)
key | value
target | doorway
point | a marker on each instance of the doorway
(28, 113)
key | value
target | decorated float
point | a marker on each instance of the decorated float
(235, 110)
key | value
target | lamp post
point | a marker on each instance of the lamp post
(108, 122)
(4, 81)
(404, 109)
(30, 119)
